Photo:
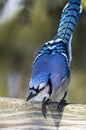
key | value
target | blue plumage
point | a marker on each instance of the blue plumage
(52, 47)
(51, 67)
(69, 18)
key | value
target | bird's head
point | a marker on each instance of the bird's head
(41, 91)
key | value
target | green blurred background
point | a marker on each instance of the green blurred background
(23, 35)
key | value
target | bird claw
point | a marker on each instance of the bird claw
(61, 105)
(44, 110)
(44, 103)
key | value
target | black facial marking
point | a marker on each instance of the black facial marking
(37, 90)
(41, 89)
(50, 85)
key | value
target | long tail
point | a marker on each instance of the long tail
(69, 18)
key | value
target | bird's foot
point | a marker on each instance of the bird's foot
(44, 103)
(61, 105)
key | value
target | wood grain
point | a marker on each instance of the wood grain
(17, 114)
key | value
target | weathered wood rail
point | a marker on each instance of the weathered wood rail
(16, 114)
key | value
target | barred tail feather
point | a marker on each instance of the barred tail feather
(68, 21)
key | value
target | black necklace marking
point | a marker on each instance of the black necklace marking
(50, 87)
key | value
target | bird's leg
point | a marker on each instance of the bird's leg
(62, 103)
(44, 103)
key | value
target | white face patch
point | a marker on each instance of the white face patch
(40, 96)
(33, 92)
(42, 85)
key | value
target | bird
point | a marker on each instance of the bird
(51, 73)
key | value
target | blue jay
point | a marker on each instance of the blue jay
(51, 68)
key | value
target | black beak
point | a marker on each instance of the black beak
(31, 95)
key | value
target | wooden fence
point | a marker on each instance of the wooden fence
(17, 114)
